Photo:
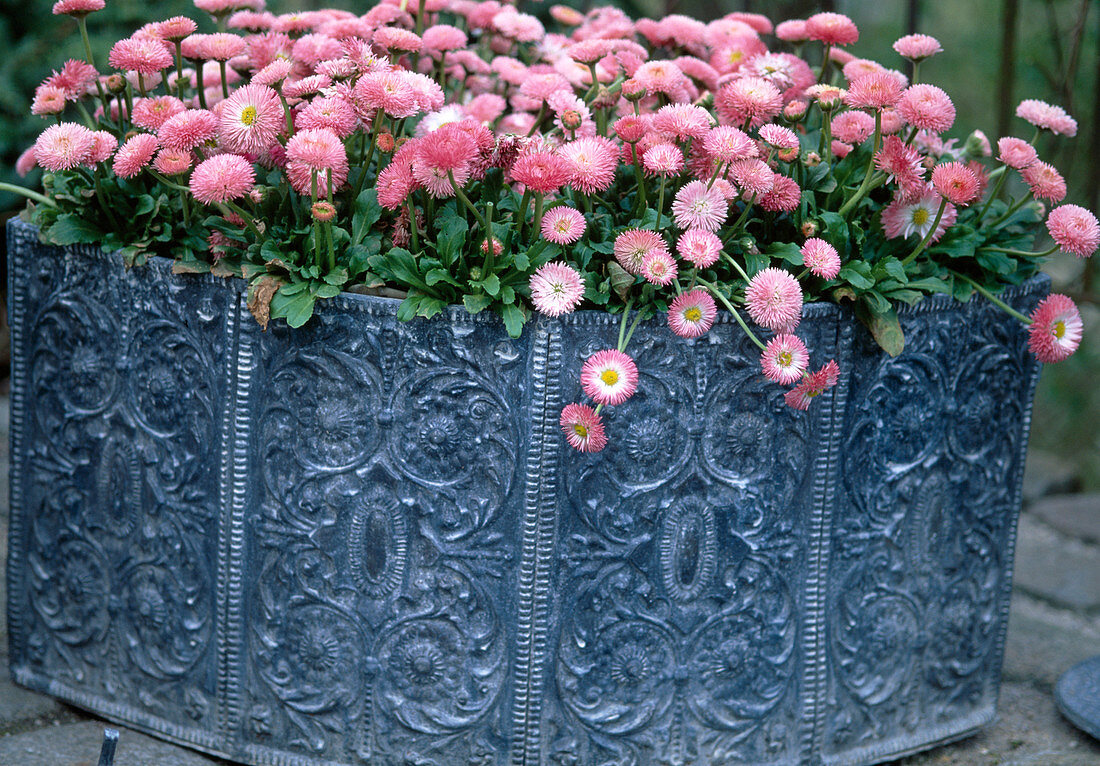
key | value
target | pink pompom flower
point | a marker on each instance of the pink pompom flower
(956, 183)
(1055, 329)
(186, 130)
(592, 162)
(319, 152)
(927, 107)
(832, 29)
(692, 313)
(749, 100)
(659, 268)
(774, 300)
(784, 359)
(541, 172)
(1047, 116)
(556, 289)
(143, 54)
(728, 144)
(134, 155)
(1075, 229)
(821, 258)
(1016, 152)
(583, 428)
(917, 47)
(77, 8)
(697, 207)
(172, 162)
(877, 90)
(221, 178)
(1045, 181)
(663, 160)
(251, 119)
(699, 247)
(63, 146)
(562, 225)
(813, 385)
(634, 246)
(609, 377)
(151, 113)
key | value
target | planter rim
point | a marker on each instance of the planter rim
(386, 306)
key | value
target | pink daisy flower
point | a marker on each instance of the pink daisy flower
(151, 113)
(592, 163)
(727, 144)
(397, 40)
(1016, 152)
(392, 92)
(142, 53)
(793, 31)
(692, 313)
(251, 119)
(753, 176)
(583, 428)
(663, 160)
(683, 121)
(917, 47)
(103, 147)
(316, 151)
(1055, 329)
(176, 28)
(774, 300)
(903, 165)
(813, 385)
(172, 162)
(63, 146)
(905, 217)
(662, 77)
(697, 207)
(77, 8)
(779, 137)
(394, 184)
(699, 247)
(1075, 229)
(784, 196)
(556, 289)
(541, 172)
(832, 29)
(48, 99)
(1045, 181)
(609, 377)
(1047, 116)
(562, 225)
(75, 78)
(751, 100)
(186, 130)
(26, 162)
(956, 183)
(634, 246)
(659, 268)
(927, 107)
(221, 178)
(821, 258)
(784, 359)
(134, 155)
(273, 73)
(333, 113)
(874, 91)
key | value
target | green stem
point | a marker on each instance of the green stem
(927, 237)
(82, 22)
(466, 201)
(639, 177)
(200, 83)
(413, 229)
(487, 263)
(622, 324)
(100, 197)
(736, 266)
(376, 126)
(538, 120)
(630, 333)
(865, 187)
(1022, 253)
(824, 64)
(286, 113)
(660, 204)
(186, 209)
(179, 70)
(1008, 213)
(992, 298)
(39, 198)
(538, 212)
(736, 314)
(141, 85)
(744, 214)
(225, 79)
(992, 196)
(522, 222)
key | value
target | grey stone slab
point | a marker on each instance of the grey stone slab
(1048, 474)
(77, 744)
(1055, 567)
(1074, 515)
(18, 706)
(1078, 695)
(1044, 641)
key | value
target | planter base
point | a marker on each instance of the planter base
(365, 542)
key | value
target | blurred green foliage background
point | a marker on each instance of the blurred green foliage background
(1053, 51)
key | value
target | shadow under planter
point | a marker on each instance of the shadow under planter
(366, 542)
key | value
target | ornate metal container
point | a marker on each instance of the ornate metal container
(365, 542)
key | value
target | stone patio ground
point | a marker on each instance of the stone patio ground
(1055, 623)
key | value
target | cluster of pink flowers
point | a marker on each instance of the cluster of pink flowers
(716, 123)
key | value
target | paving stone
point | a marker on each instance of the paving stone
(1047, 474)
(78, 744)
(19, 706)
(1074, 515)
(1055, 567)
(1045, 641)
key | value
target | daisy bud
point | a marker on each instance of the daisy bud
(812, 159)
(115, 83)
(323, 211)
(633, 90)
(385, 142)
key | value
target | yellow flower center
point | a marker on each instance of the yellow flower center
(563, 226)
(693, 314)
(1059, 330)
(248, 115)
(580, 430)
(921, 216)
(609, 377)
(786, 359)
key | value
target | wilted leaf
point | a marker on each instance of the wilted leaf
(259, 298)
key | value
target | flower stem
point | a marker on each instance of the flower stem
(622, 324)
(630, 333)
(660, 204)
(231, 206)
(1012, 209)
(992, 298)
(225, 79)
(992, 196)
(413, 235)
(736, 314)
(736, 265)
(466, 200)
(865, 187)
(39, 198)
(927, 237)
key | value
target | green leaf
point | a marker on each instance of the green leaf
(755, 263)
(514, 318)
(787, 251)
(145, 204)
(858, 274)
(507, 294)
(886, 329)
(999, 263)
(521, 261)
(491, 285)
(407, 310)
(452, 235)
(337, 276)
(435, 276)
(398, 265)
(324, 290)
(895, 269)
(476, 303)
(296, 309)
(364, 215)
(68, 229)
(429, 307)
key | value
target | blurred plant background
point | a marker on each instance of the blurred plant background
(996, 52)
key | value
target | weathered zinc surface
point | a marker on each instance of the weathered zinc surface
(365, 542)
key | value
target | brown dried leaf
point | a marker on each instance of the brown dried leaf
(259, 298)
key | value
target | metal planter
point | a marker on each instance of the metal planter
(365, 542)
